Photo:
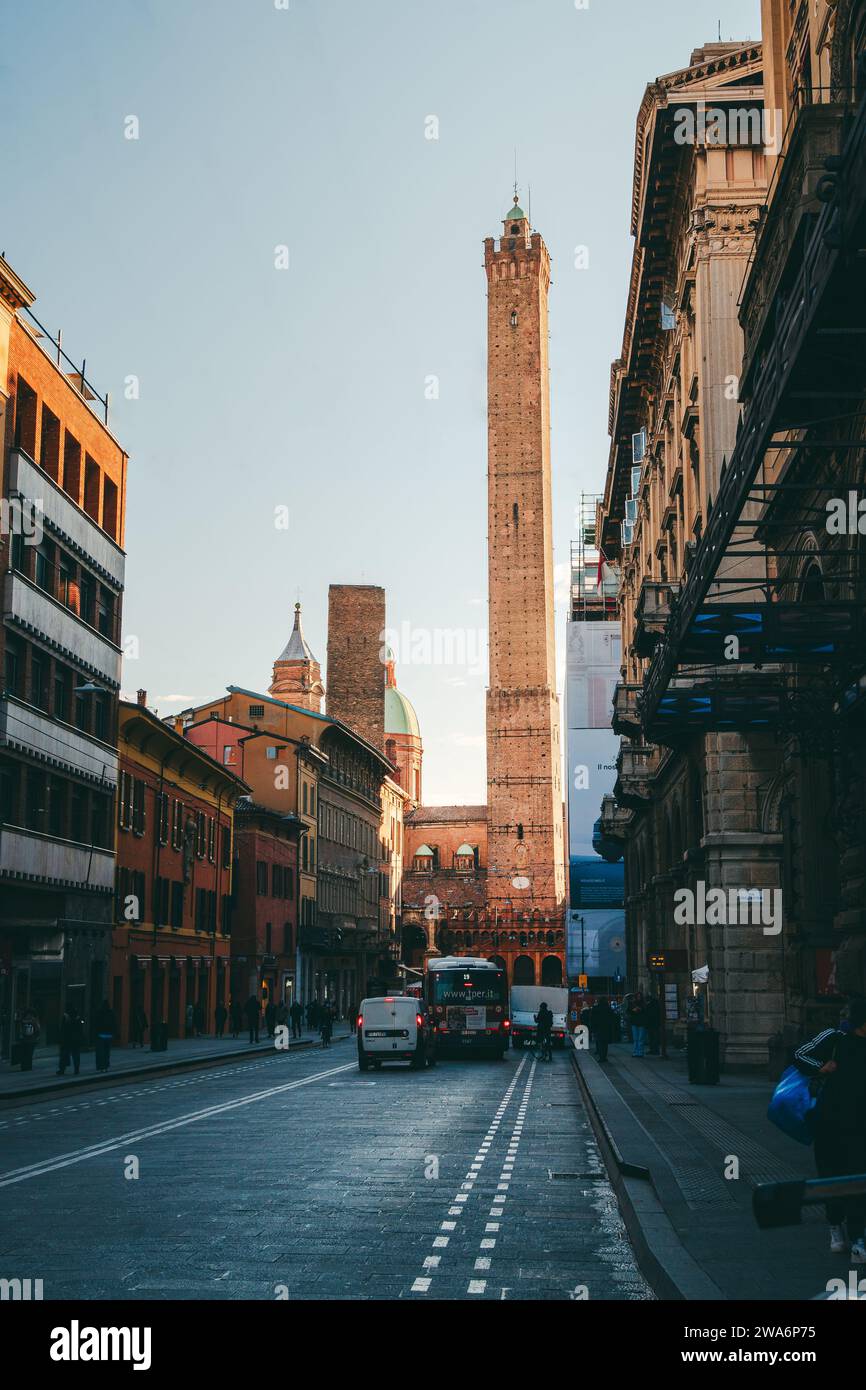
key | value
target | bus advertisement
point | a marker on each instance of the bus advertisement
(468, 1000)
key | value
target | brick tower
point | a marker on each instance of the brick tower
(356, 677)
(526, 871)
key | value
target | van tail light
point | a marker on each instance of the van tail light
(360, 1020)
(507, 1023)
(419, 1020)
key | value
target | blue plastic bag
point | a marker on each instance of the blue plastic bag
(793, 1106)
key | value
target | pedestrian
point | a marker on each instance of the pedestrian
(326, 1025)
(281, 1017)
(71, 1034)
(603, 1027)
(637, 1022)
(139, 1026)
(297, 1014)
(106, 1030)
(189, 1015)
(29, 1029)
(653, 1025)
(198, 1019)
(236, 1014)
(840, 1122)
(314, 1014)
(220, 1016)
(353, 1018)
(270, 1016)
(253, 1013)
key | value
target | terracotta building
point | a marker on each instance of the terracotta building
(264, 903)
(63, 496)
(173, 889)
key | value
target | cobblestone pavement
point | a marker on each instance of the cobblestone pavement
(296, 1176)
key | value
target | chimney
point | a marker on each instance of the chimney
(356, 677)
(142, 697)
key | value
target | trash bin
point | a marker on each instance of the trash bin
(703, 1057)
(159, 1037)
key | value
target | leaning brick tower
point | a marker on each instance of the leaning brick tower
(526, 871)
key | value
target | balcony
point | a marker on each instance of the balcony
(626, 719)
(636, 766)
(30, 857)
(651, 613)
(67, 521)
(35, 611)
(30, 731)
(815, 136)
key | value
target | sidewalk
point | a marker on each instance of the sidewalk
(129, 1062)
(668, 1145)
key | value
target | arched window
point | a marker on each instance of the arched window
(551, 971)
(524, 971)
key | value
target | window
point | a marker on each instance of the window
(261, 878)
(305, 799)
(104, 616)
(312, 854)
(44, 572)
(267, 938)
(62, 691)
(227, 847)
(49, 447)
(91, 487)
(25, 418)
(257, 712)
(139, 815)
(39, 680)
(35, 799)
(276, 881)
(10, 792)
(163, 818)
(177, 824)
(71, 466)
(124, 801)
(161, 902)
(211, 839)
(200, 834)
(177, 903)
(289, 883)
(78, 816)
(101, 717)
(312, 801)
(109, 507)
(14, 666)
(100, 834)
(56, 807)
(305, 855)
(287, 938)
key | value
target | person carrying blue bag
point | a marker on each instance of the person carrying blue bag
(837, 1120)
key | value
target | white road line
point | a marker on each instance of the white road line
(483, 1262)
(66, 1160)
(422, 1284)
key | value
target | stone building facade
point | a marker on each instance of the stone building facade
(742, 701)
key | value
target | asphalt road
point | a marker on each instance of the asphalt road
(297, 1177)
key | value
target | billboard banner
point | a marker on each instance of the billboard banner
(596, 944)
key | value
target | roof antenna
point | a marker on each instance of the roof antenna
(720, 31)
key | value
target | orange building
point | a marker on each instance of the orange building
(173, 892)
(61, 532)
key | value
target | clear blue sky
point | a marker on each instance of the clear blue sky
(305, 387)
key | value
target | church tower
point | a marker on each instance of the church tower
(297, 674)
(526, 864)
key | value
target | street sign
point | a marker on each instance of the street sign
(583, 982)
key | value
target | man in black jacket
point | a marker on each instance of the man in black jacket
(604, 1027)
(840, 1121)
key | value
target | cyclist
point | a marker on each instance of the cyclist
(544, 1023)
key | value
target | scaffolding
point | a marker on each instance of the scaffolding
(594, 580)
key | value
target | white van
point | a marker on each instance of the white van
(394, 1029)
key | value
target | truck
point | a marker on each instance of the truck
(526, 1000)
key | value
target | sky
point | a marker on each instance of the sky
(261, 223)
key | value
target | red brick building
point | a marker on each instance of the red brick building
(173, 892)
(265, 899)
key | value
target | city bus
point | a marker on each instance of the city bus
(468, 1000)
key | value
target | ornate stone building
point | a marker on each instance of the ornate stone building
(742, 701)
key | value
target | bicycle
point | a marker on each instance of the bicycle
(541, 1049)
